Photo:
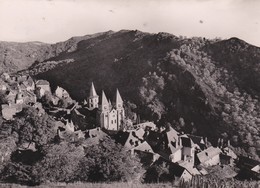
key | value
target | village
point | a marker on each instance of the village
(97, 116)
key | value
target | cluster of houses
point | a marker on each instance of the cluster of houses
(19, 91)
(185, 155)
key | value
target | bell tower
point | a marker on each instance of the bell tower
(93, 98)
(120, 110)
(104, 112)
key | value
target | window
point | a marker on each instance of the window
(111, 121)
(115, 121)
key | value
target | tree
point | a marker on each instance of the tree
(151, 94)
(107, 161)
(157, 172)
(59, 164)
(17, 173)
(7, 146)
(3, 99)
(34, 128)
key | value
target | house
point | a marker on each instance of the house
(121, 137)
(21, 78)
(176, 154)
(209, 156)
(40, 92)
(93, 133)
(25, 97)
(61, 93)
(5, 76)
(146, 125)
(11, 96)
(229, 152)
(176, 172)
(29, 97)
(188, 149)
(144, 146)
(156, 140)
(132, 141)
(29, 84)
(3, 85)
(19, 98)
(10, 110)
(173, 138)
(226, 160)
(43, 86)
(199, 141)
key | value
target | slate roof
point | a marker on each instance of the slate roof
(144, 147)
(92, 92)
(248, 162)
(155, 140)
(208, 153)
(174, 168)
(172, 137)
(42, 82)
(121, 137)
(186, 142)
(95, 133)
(146, 125)
(196, 139)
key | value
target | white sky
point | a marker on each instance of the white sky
(57, 20)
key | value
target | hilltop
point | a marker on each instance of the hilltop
(195, 84)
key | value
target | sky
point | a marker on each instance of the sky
(52, 21)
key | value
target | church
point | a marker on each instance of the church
(110, 116)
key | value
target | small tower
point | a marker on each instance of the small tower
(120, 110)
(119, 101)
(104, 103)
(104, 112)
(93, 98)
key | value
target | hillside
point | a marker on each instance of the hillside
(19, 56)
(197, 85)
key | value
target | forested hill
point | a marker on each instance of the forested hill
(207, 87)
(19, 56)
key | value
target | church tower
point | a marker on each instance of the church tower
(93, 98)
(104, 112)
(120, 110)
